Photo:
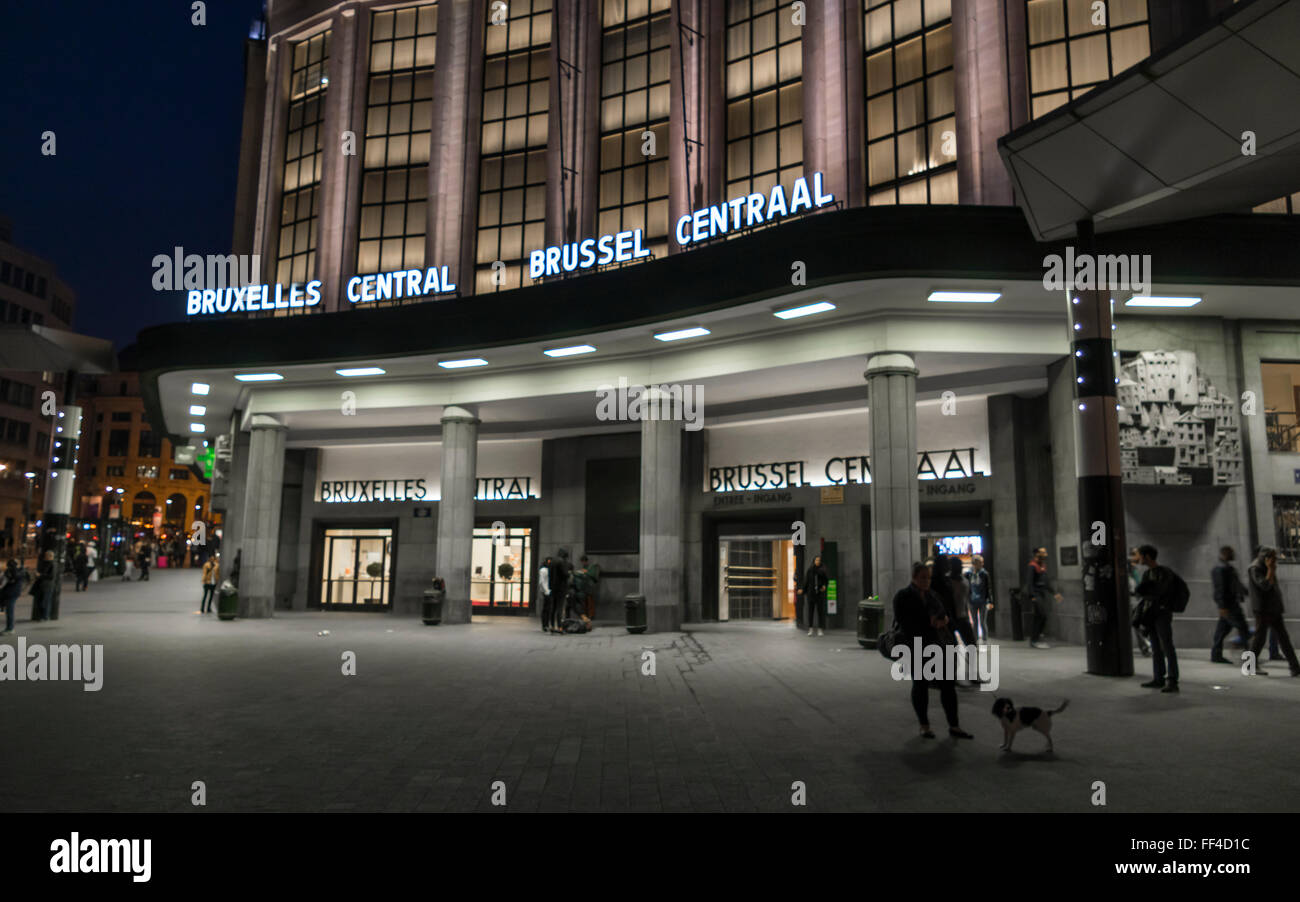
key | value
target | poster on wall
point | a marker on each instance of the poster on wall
(1175, 428)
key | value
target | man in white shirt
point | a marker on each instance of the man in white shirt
(548, 600)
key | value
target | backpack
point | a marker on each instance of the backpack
(1176, 593)
(574, 625)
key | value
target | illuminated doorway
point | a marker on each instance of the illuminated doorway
(757, 578)
(357, 569)
(502, 567)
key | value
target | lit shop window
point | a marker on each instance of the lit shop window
(911, 131)
(1286, 525)
(512, 165)
(634, 91)
(764, 83)
(399, 116)
(1073, 48)
(1281, 403)
(300, 197)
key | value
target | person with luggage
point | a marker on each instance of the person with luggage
(1167, 594)
(919, 613)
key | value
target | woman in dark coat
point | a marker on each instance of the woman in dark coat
(43, 587)
(920, 613)
(815, 584)
(13, 578)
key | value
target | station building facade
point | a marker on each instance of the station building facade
(489, 231)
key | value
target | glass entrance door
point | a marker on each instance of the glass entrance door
(501, 575)
(357, 569)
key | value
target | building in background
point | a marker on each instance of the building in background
(389, 433)
(31, 293)
(128, 471)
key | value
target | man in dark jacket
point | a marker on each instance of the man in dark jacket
(1040, 593)
(920, 613)
(815, 584)
(1228, 593)
(1266, 603)
(1156, 585)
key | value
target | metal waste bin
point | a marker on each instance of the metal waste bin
(227, 601)
(634, 606)
(871, 621)
(431, 608)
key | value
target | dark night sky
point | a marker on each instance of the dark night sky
(146, 108)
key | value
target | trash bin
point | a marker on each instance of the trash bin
(431, 610)
(227, 601)
(871, 621)
(635, 607)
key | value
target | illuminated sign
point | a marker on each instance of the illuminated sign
(959, 545)
(355, 490)
(408, 283)
(751, 210)
(618, 248)
(251, 298)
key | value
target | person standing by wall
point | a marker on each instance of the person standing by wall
(1134, 577)
(1228, 593)
(1266, 603)
(815, 584)
(1160, 586)
(980, 587)
(209, 576)
(548, 600)
(1040, 591)
(919, 612)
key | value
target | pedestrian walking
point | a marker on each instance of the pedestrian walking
(1040, 590)
(1266, 604)
(816, 582)
(1135, 571)
(43, 587)
(145, 551)
(81, 568)
(1167, 594)
(1228, 593)
(979, 587)
(11, 586)
(920, 614)
(209, 575)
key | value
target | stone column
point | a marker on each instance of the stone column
(345, 111)
(260, 527)
(1097, 464)
(662, 579)
(696, 109)
(452, 217)
(456, 510)
(832, 97)
(895, 498)
(983, 105)
(573, 139)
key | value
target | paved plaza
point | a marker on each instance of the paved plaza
(735, 714)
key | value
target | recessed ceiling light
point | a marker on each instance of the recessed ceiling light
(964, 297)
(805, 310)
(198, 428)
(569, 352)
(199, 388)
(1146, 301)
(362, 371)
(259, 377)
(458, 364)
(197, 410)
(681, 333)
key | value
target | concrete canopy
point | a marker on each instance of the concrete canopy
(1165, 140)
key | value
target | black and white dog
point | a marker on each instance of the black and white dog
(1014, 720)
